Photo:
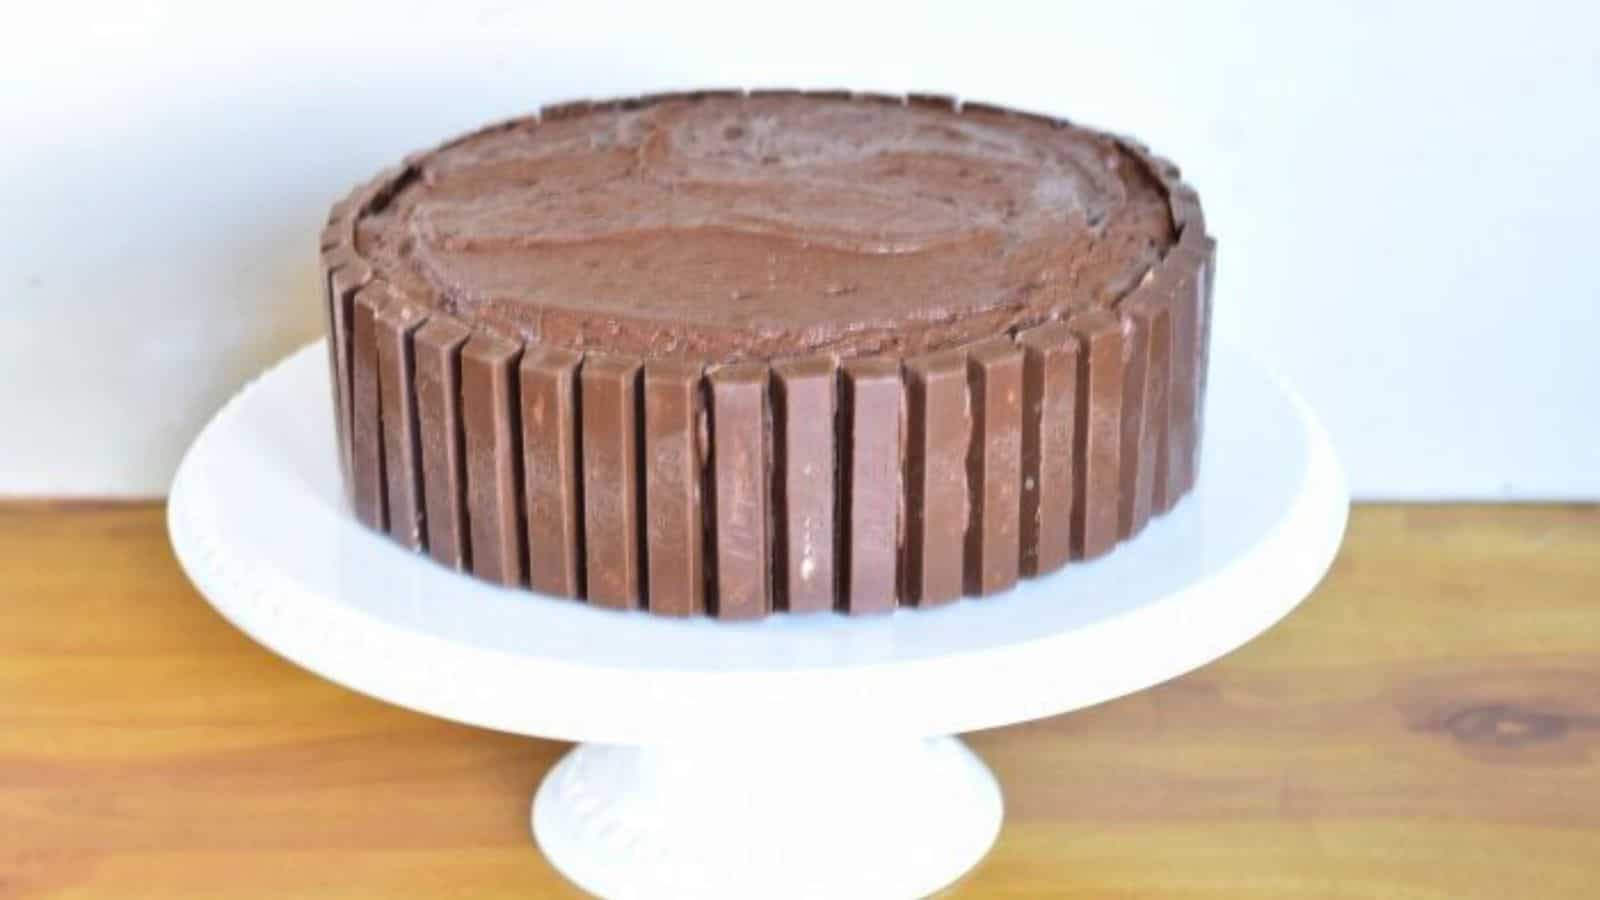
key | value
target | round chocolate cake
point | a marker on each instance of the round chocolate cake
(733, 353)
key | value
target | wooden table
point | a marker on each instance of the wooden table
(1426, 726)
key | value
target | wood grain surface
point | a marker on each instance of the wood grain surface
(1427, 725)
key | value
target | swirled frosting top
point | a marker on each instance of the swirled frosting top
(730, 227)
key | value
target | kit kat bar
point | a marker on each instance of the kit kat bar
(805, 400)
(609, 405)
(1098, 432)
(366, 432)
(1206, 278)
(348, 274)
(674, 522)
(938, 432)
(492, 435)
(739, 482)
(437, 348)
(870, 456)
(940, 102)
(1135, 364)
(335, 377)
(1146, 379)
(994, 466)
(1183, 390)
(565, 110)
(552, 484)
(1049, 420)
(396, 324)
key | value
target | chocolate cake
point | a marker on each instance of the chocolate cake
(735, 353)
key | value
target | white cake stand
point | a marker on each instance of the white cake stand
(795, 757)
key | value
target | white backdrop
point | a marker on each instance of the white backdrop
(1405, 194)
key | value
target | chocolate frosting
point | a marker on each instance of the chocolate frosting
(729, 227)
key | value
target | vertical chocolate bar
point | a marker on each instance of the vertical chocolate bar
(335, 374)
(1135, 359)
(805, 393)
(674, 522)
(437, 347)
(1158, 402)
(1099, 432)
(942, 102)
(1206, 278)
(348, 274)
(938, 432)
(552, 484)
(994, 466)
(609, 404)
(878, 97)
(870, 458)
(490, 415)
(396, 324)
(1184, 387)
(366, 432)
(739, 481)
(565, 110)
(1145, 388)
(1049, 422)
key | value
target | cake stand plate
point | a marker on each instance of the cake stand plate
(801, 756)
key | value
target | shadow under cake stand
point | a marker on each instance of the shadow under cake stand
(804, 756)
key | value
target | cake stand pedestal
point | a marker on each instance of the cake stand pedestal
(800, 756)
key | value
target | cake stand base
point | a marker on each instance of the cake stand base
(836, 819)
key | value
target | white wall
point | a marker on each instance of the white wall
(1405, 194)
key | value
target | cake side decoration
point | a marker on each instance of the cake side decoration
(737, 353)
